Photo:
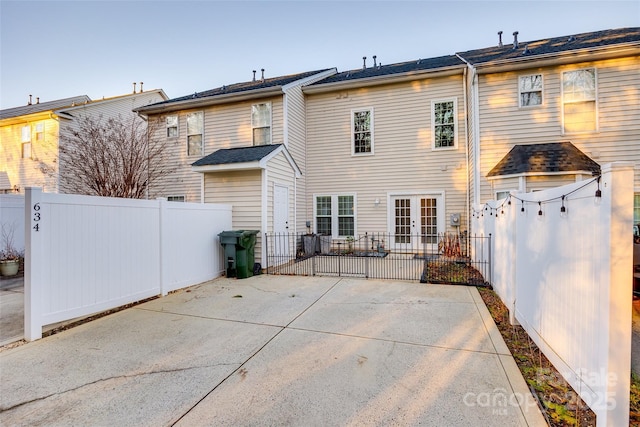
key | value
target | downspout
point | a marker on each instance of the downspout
(145, 119)
(466, 150)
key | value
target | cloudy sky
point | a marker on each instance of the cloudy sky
(59, 49)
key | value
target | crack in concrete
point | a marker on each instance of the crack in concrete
(101, 380)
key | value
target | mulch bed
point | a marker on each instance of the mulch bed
(561, 405)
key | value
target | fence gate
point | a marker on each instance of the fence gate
(456, 258)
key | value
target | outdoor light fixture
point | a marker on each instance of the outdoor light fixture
(539, 208)
(563, 209)
(598, 191)
(377, 202)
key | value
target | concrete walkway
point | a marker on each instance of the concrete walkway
(275, 350)
(11, 310)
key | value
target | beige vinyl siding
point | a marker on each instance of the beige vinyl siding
(242, 190)
(296, 144)
(279, 172)
(27, 172)
(404, 159)
(225, 126)
(503, 123)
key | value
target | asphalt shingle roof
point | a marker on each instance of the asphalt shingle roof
(244, 87)
(399, 68)
(43, 106)
(549, 157)
(237, 155)
(553, 45)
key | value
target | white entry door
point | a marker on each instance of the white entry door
(416, 221)
(281, 220)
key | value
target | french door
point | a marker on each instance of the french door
(415, 222)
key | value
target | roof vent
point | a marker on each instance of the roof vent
(571, 39)
(37, 100)
(499, 38)
(254, 75)
(515, 39)
(134, 87)
(364, 62)
(141, 83)
(262, 69)
(29, 103)
(375, 64)
(418, 63)
(526, 50)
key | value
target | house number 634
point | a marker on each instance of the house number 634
(36, 216)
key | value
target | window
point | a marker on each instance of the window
(636, 208)
(175, 198)
(195, 127)
(26, 142)
(261, 123)
(530, 90)
(443, 117)
(335, 215)
(172, 126)
(362, 135)
(579, 100)
(40, 132)
(502, 194)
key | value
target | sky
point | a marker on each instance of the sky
(60, 49)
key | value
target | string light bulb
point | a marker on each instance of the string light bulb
(539, 208)
(563, 209)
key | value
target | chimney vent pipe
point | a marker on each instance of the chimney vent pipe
(134, 87)
(29, 103)
(364, 62)
(374, 61)
(262, 69)
(37, 100)
(141, 83)
(499, 38)
(254, 75)
(515, 39)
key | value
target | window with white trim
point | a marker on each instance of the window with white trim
(175, 198)
(195, 130)
(362, 131)
(579, 100)
(335, 215)
(261, 123)
(172, 126)
(530, 90)
(444, 123)
(26, 141)
(40, 131)
(636, 208)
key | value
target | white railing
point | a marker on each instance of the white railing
(88, 254)
(565, 276)
(12, 217)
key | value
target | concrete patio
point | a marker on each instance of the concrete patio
(275, 350)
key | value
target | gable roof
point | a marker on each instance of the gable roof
(380, 74)
(544, 158)
(242, 158)
(538, 49)
(255, 89)
(44, 106)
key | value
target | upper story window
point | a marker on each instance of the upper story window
(26, 141)
(579, 100)
(444, 124)
(40, 132)
(195, 130)
(175, 198)
(172, 126)
(530, 90)
(362, 131)
(335, 215)
(261, 123)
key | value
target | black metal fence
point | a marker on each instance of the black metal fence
(445, 258)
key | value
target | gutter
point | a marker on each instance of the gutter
(211, 100)
(384, 79)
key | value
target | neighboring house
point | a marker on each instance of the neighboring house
(545, 113)
(246, 144)
(30, 134)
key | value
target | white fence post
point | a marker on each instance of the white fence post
(162, 230)
(35, 215)
(617, 188)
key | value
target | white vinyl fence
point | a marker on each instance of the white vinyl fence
(88, 254)
(565, 276)
(12, 218)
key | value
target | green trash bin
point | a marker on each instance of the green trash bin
(239, 252)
